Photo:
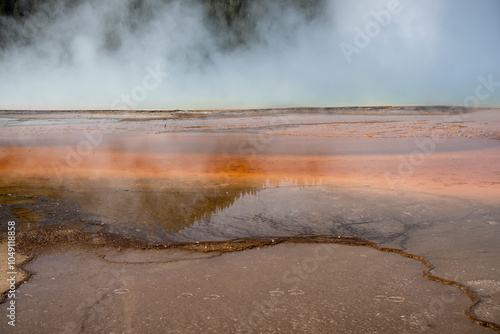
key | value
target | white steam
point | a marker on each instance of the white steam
(100, 54)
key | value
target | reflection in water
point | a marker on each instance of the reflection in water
(10, 199)
(26, 218)
(217, 185)
(134, 207)
(148, 195)
(172, 204)
(223, 207)
(170, 188)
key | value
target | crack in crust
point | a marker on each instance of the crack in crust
(37, 241)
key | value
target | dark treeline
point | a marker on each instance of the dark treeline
(17, 8)
(234, 22)
(226, 10)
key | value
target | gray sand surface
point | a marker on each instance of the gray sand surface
(308, 288)
(425, 180)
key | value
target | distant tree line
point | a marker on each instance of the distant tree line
(232, 21)
(17, 8)
(226, 10)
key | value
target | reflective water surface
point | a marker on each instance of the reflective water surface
(429, 184)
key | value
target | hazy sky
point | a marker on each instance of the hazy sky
(419, 52)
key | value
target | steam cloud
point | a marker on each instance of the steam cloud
(88, 54)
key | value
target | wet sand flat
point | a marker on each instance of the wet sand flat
(424, 181)
(450, 155)
(286, 288)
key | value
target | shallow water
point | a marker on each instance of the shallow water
(220, 178)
